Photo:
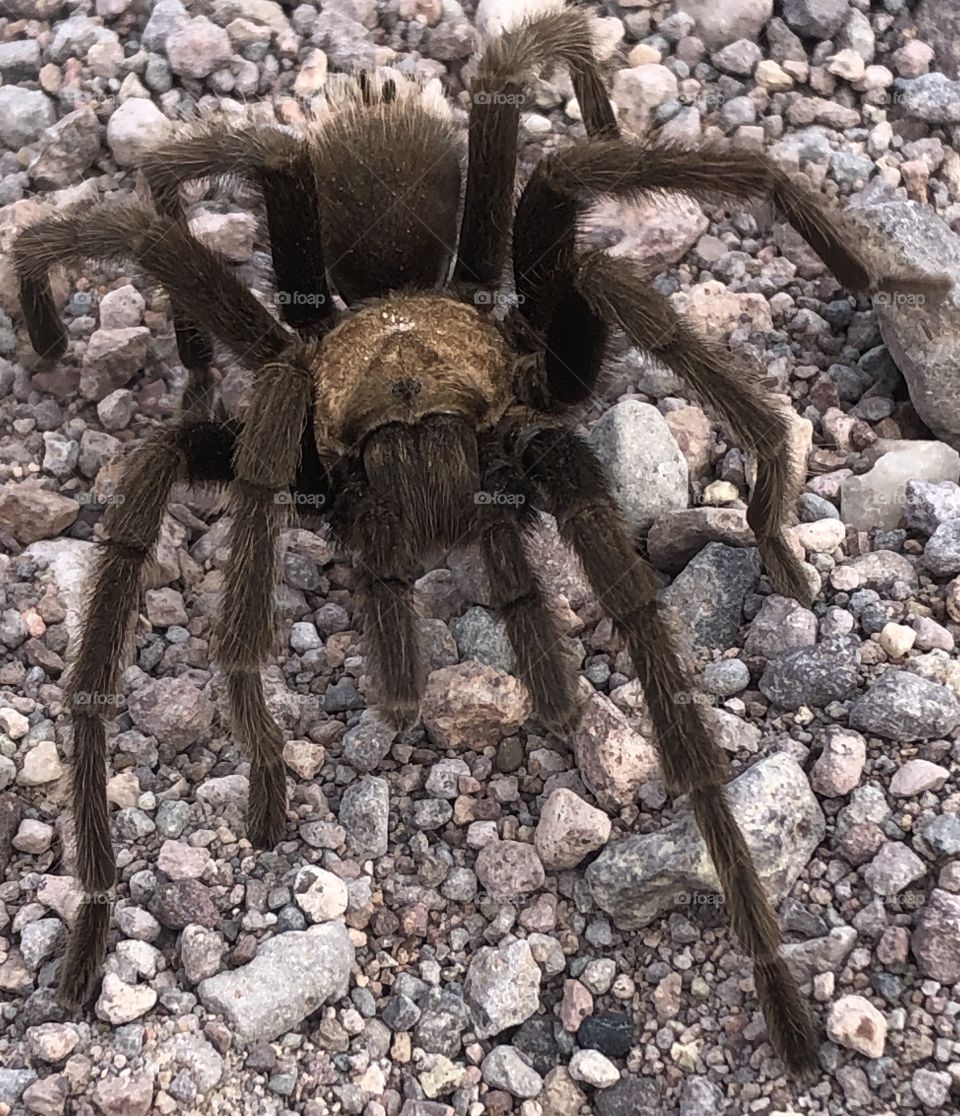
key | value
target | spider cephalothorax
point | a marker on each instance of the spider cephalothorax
(395, 415)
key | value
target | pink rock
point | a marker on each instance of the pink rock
(31, 512)
(577, 1004)
(182, 862)
(913, 58)
(473, 705)
(509, 868)
(694, 434)
(894, 945)
(569, 828)
(174, 710)
(666, 996)
(856, 1024)
(840, 765)
(613, 758)
(124, 1096)
(917, 776)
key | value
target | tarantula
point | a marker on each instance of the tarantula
(394, 414)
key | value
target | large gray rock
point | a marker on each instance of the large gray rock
(66, 150)
(813, 675)
(502, 987)
(781, 625)
(819, 955)
(878, 498)
(720, 24)
(365, 816)
(647, 470)
(928, 505)
(932, 98)
(482, 635)
(13, 1082)
(634, 880)
(292, 975)
(922, 333)
(902, 706)
(941, 555)
(25, 114)
(815, 19)
(135, 127)
(938, 24)
(708, 596)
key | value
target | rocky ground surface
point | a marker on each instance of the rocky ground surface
(472, 918)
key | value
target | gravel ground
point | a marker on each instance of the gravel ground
(471, 918)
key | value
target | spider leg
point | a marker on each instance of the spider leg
(199, 453)
(692, 762)
(517, 594)
(615, 291)
(411, 491)
(385, 560)
(192, 274)
(497, 91)
(265, 465)
(279, 164)
(565, 183)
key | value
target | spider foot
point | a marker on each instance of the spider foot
(86, 949)
(267, 819)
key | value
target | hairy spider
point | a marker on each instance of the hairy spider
(395, 413)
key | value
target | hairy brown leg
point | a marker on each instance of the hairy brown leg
(710, 171)
(572, 479)
(497, 92)
(279, 165)
(727, 386)
(192, 275)
(265, 467)
(411, 490)
(503, 519)
(199, 453)
(387, 605)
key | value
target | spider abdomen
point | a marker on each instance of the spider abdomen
(404, 358)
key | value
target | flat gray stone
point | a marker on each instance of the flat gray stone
(502, 987)
(647, 470)
(707, 597)
(292, 975)
(902, 706)
(923, 336)
(814, 675)
(636, 879)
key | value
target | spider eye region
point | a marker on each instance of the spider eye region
(407, 388)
